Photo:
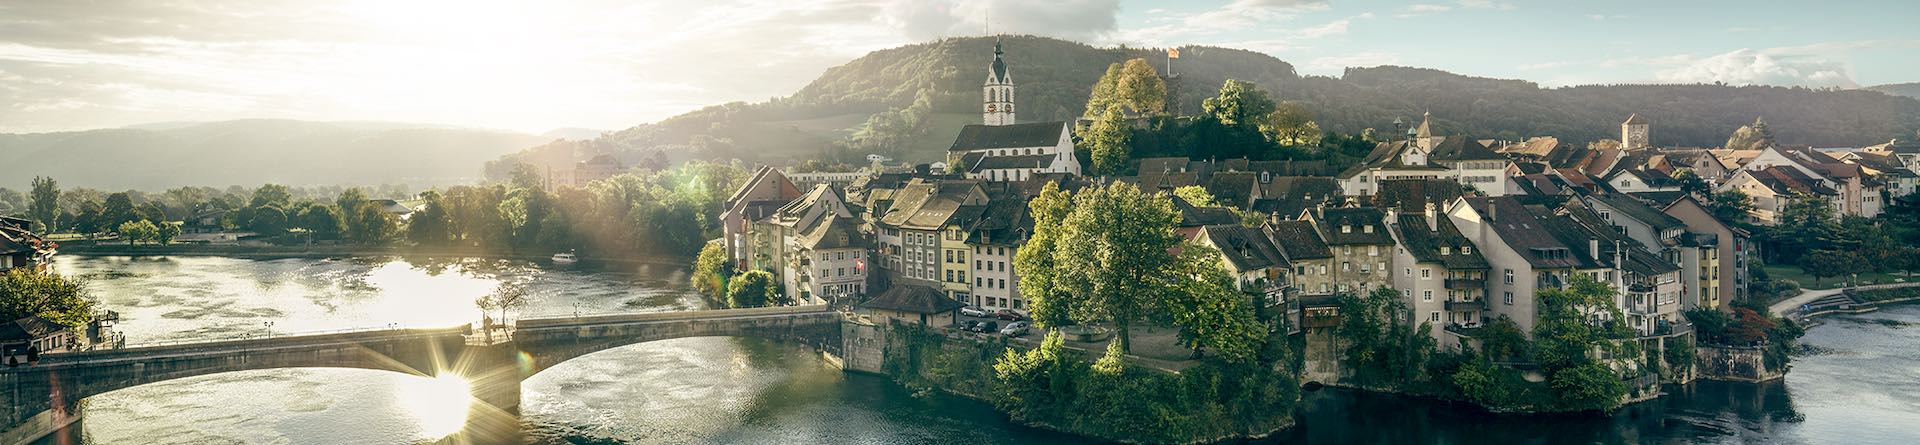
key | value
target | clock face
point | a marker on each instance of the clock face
(990, 107)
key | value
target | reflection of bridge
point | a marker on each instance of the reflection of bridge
(42, 398)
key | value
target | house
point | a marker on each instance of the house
(1013, 152)
(921, 240)
(1289, 195)
(20, 248)
(1424, 155)
(759, 197)
(1772, 188)
(34, 335)
(1311, 273)
(1442, 277)
(1361, 247)
(912, 304)
(1523, 253)
(825, 255)
(994, 239)
(598, 168)
(1637, 180)
(1257, 266)
(1718, 262)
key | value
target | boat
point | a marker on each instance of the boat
(565, 258)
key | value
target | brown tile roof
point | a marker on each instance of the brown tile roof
(1246, 248)
(914, 299)
(1358, 219)
(1297, 240)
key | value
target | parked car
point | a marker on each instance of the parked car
(1009, 314)
(987, 327)
(971, 311)
(1015, 329)
(966, 325)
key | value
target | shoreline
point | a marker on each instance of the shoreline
(276, 252)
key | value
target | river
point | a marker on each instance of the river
(1859, 382)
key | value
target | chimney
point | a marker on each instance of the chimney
(1593, 249)
(1493, 210)
(1433, 225)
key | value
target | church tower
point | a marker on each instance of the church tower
(997, 94)
(1633, 133)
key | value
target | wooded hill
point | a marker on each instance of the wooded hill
(910, 101)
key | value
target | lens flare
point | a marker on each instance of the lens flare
(439, 404)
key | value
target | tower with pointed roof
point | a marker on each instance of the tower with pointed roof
(1633, 133)
(997, 93)
(1423, 134)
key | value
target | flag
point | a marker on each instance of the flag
(1173, 53)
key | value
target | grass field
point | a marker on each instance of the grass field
(1806, 281)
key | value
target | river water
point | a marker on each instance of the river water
(1859, 382)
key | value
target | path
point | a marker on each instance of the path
(1790, 307)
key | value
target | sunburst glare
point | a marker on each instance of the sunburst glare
(440, 404)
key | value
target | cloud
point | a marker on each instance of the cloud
(1750, 67)
(1424, 8)
(1361, 59)
(1485, 4)
(1083, 20)
(1334, 28)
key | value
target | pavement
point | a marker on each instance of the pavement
(1790, 307)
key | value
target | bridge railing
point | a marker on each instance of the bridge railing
(263, 335)
(564, 320)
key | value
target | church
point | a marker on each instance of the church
(1002, 149)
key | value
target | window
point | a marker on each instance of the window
(842, 255)
(976, 264)
(841, 272)
(1346, 228)
(1509, 281)
(1383, 267)
(976, 281)
(949, 275)
(1346, 250)
(1373, 250)
(1433, 316)
(1444, 250)
(1367, 228)
(963, 276)
(1509, 298)
(1406, 293)
(1466, 250)
(1346, 266)
(1426, 295)
(1426, 273)
(1409, 272)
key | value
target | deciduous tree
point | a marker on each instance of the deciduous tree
(1113, 247)
(1239, 103)
(45, 205)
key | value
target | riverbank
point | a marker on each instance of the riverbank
(335, 251)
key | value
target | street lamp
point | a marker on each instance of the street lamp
(269, 328)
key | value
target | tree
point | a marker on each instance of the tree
(429, 226)
(136, 231)
(1806, 224)
(56, 298)
(1210, 312)
(504, 296)
(1692, 184)
(1196, 196)
(1751, 137)
(711, 271)
(1588, 387)
(269, 220)
(86, 220)
(370, 225)
(1829, 263)
(271, 195)
(45, 205)
(1239, 103)
(348, 207)
(1113, 249)
(1731, 206)
(752, 289)
(1131, 85)
(1106, 139)
(1575, 321)
(118, 210)
(1034, 263)
(167, 232)
(320, 220)
(1292, 124)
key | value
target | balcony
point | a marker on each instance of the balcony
(1466, 305)
(1640, 288)
(1466, 283)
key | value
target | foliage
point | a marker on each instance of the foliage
(711, 271)
(1751, 137)
(1211, 313)
(136, 231)
(1106, 141)
(45, 205)
(1503, 340)
(1830, 263)
(1291, 124)
(1133, 85)
(1239, 103)
(430, 226)
(504, 296)
(1732, 206)
(755, 288)
(56, 298)
(1587, 387)
(118, 210)
(1383, 349)
(1196, 196)
(1576, 321)
(1034, 263)
(370, 225)
(1113, 254)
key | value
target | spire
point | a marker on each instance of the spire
(998, 71)
(1425, 129)
(1635, 119)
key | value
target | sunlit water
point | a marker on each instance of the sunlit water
(1859, 386)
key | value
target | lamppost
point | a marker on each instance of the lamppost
(269, 328)
(576, 309)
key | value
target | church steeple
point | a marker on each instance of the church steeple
(997, 93)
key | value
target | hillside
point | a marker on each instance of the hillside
(251, 152)
(919, 94)
(1910, 89)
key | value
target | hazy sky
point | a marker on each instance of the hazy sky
(537, 65)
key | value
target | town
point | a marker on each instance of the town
(944, 221)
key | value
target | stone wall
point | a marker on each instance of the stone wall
(1323, 356)
(1740, 364)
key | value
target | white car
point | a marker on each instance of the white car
(1015, 329)
(971, 311)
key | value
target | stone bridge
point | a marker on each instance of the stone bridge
(42, 398)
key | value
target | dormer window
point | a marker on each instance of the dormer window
(1367, 228)
(1346, 228)
(1444, 250)
(1466, 250)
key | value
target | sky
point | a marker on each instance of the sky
(532, 66)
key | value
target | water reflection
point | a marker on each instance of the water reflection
(1861, 385)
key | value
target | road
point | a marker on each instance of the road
(1783, 307)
